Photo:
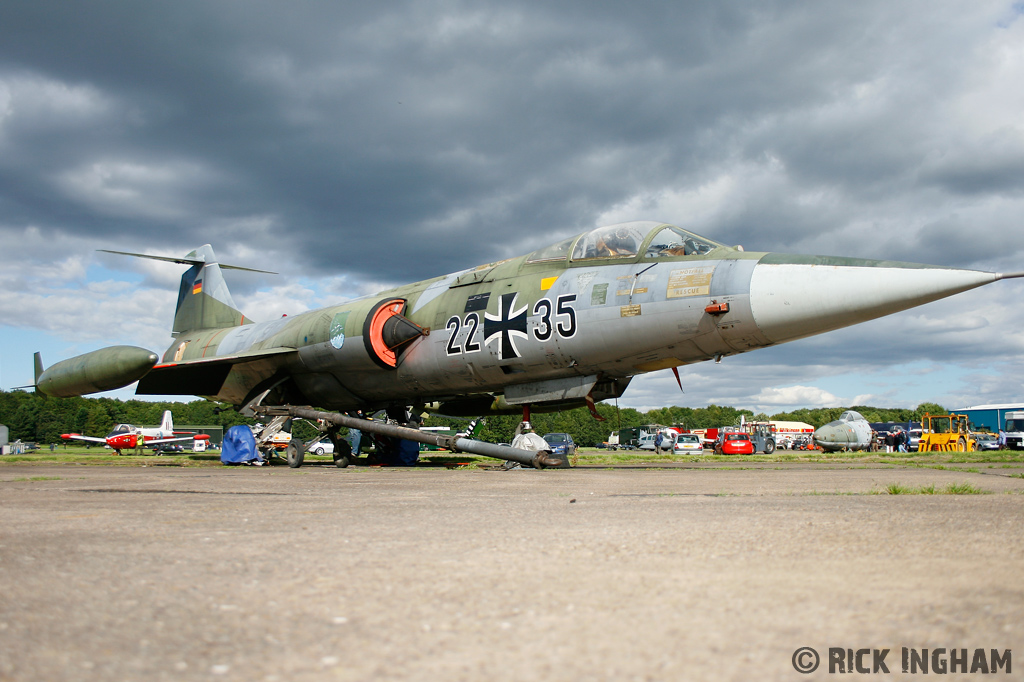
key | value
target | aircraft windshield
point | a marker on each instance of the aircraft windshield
(614, 241)
(673, 241)
(554, 252)
(850, 416)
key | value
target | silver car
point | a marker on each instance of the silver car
(688, 444)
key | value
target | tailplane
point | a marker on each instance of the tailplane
(204, 301)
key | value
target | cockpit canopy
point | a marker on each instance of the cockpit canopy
(119, 429)
(625, 240)
(851, 416)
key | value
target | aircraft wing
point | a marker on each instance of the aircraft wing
(78, 436)
(161, 441)
(205, 376)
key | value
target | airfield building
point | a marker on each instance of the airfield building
(989, 417)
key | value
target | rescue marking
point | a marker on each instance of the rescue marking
(689, 282)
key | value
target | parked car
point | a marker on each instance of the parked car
(734, 444)
(987, 441)
(688, 444)
(648, 440)
(321, 447)
(561, 444)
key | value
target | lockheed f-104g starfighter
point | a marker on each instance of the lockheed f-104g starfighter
(565, 325)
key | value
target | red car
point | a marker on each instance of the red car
(735, 444)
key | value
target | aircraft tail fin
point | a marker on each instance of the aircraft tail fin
(167, 424)
(38, 357)
(204, 301)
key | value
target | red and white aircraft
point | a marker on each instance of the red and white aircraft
(128, 437)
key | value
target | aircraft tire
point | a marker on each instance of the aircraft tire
(342, 455)
(294, 453)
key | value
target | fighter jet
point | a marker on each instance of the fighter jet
(850, 432)
(129, 437)
(566, 325)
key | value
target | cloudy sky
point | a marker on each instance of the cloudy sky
(353, 146)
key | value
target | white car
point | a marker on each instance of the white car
(322, 447)
(688, 444)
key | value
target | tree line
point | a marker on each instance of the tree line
(42, 419)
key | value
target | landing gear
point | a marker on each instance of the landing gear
(342, 453)
(294, 453)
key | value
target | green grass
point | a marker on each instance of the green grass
(951, 489)
(583, 457)
(597, 456)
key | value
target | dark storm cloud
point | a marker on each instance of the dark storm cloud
(352, 145)
(432, 133)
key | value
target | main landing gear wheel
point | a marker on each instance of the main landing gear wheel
(294, 453)
(342, 453)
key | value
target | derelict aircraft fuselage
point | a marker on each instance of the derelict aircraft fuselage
(564, 325)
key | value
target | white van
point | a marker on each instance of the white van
(647, 441)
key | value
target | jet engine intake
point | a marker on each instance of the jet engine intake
(389, 332)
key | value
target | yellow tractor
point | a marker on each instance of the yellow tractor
(947, 432)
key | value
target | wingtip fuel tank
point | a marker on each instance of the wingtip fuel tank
(101, 370)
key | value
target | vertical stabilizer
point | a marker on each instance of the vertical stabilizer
(39, 367)
(167, 424)
(204, 301)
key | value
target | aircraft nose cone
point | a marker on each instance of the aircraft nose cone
(792, 297)
(829, 434)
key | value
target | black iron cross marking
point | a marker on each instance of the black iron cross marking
(505, 326)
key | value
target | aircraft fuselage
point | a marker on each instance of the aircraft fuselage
(544, 330)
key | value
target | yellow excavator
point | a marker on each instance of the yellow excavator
(946, 432)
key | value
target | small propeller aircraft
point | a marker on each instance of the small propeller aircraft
(850, 432)
(128, 437)
(564, 326)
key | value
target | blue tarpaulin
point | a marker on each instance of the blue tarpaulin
(239, 446)
(407, 453)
